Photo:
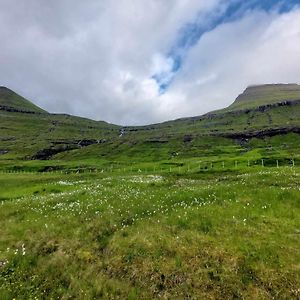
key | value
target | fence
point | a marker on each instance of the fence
(193, 167)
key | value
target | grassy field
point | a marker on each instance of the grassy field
(197, 208)
(209, 234)
(152, 214)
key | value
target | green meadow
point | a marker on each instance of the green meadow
(135, 234)
(206, 207)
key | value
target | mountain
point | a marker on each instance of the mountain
(262, 116)
(27, 131)
(11, 101)
(258, 110)
(255, 96)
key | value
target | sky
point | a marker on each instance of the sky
(134, 62)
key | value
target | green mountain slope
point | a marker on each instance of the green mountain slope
(11, 101)
(253, 132)
(27, 131)
(255, 96)
(25, 134)
(260, 108)
(263, 117)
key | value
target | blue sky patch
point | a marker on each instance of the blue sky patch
(190, 34)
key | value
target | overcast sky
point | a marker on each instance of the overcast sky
(143, 61)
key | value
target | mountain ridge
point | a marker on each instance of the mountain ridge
(266, 93)
(32, 134)
(254, 96)
(11, 101)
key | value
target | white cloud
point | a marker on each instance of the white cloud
(161, 64)
(260, 48)
(96, 58)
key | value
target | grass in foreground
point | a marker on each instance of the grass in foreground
(209, 236)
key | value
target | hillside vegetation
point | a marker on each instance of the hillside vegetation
(11, 101)
(39, 139)
(266, 94)
(197, 208)
(122, 236)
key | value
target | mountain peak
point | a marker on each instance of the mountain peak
(4, 89)
(264, 88)
(12, 101)
(257, 95)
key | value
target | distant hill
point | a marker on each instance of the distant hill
(11, 101)
(28, 132)
(258, 110)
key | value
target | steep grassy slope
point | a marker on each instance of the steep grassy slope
(227, 123)
(257, 108)
(263, 114)
(27, 130)
(12, 101)
(25, 134)
(255, 96)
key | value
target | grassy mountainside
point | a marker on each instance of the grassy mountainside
(224, 123)
(257, 108)
(260, 115)
(26, 130)
(25, 134)
(12, 101)
(255, 96)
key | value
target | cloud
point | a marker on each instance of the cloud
(260, 48)
(97, 58)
